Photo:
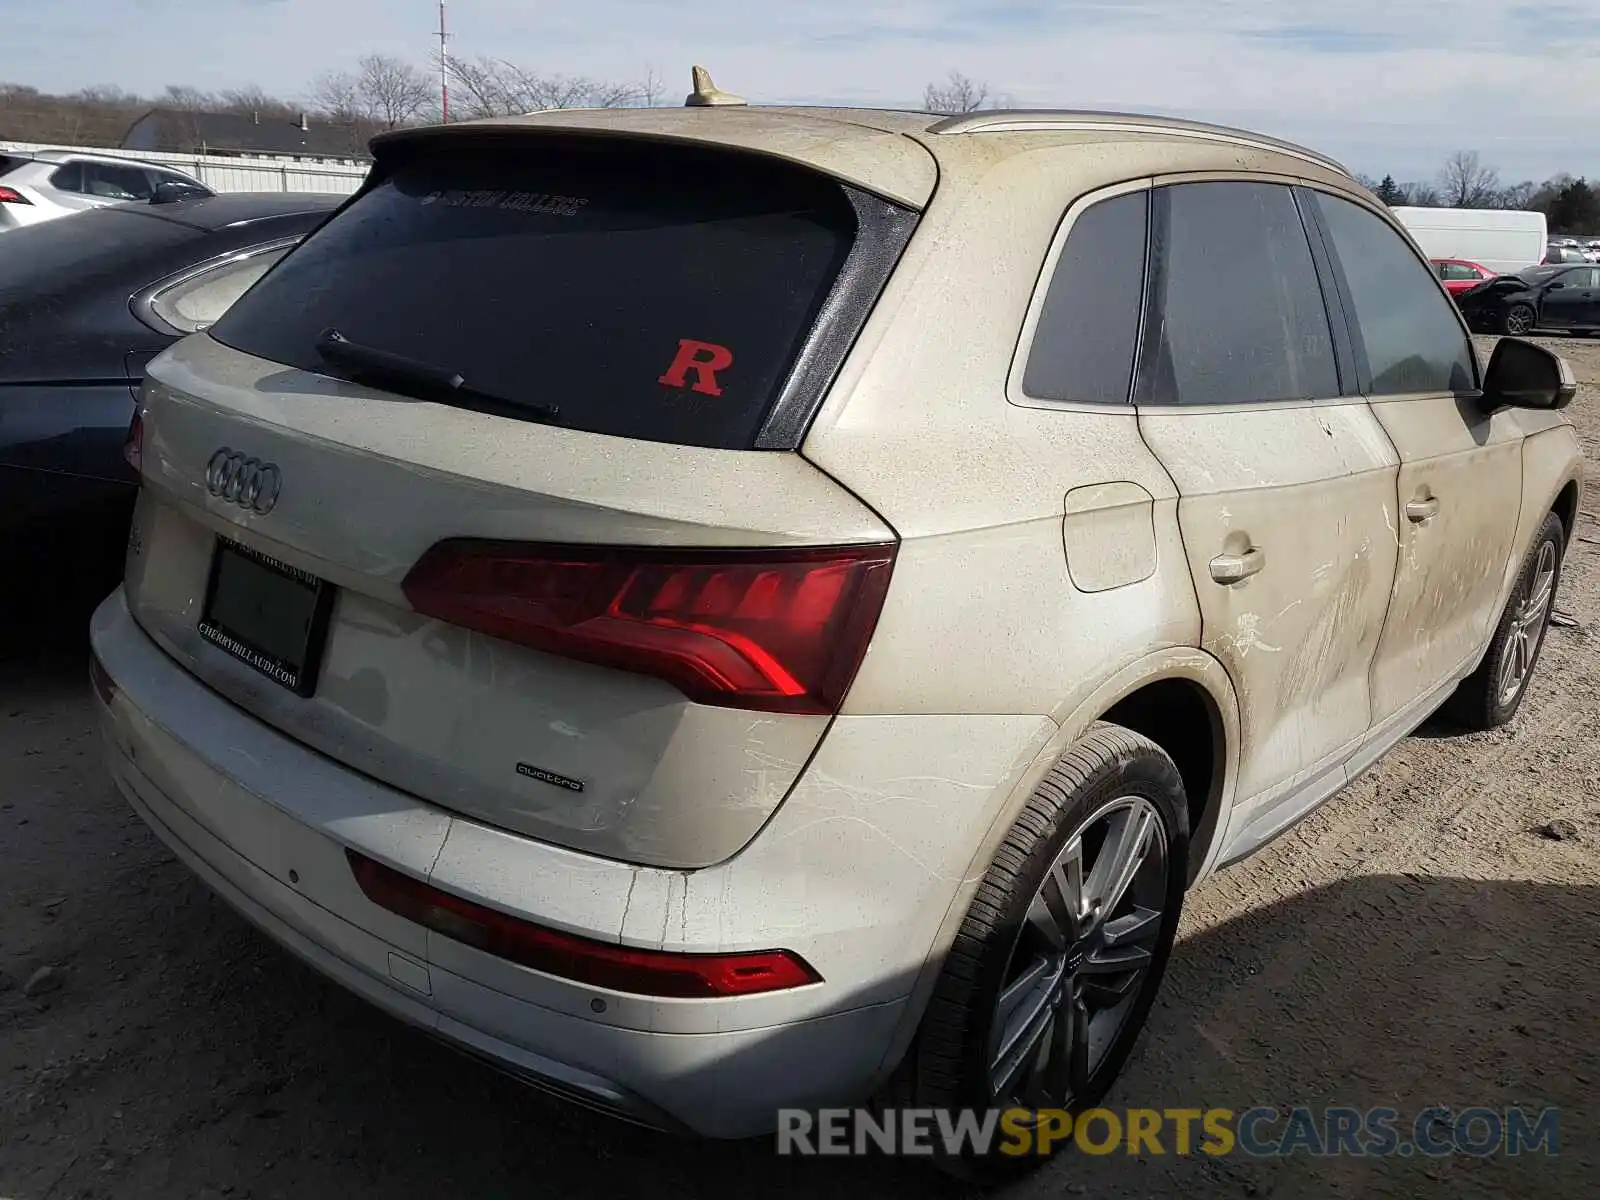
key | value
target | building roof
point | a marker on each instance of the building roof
(250, 133)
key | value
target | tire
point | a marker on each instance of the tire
(1486, 699)
(1518, 320)
(951, 1063)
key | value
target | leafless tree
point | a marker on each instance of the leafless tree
(392, 92)
(957, 94)
(338, 96)
(252, 100)
(493, 87)
(1517, 196)
(652, 89)
(1466, 183)
(187, 99)
(105, 94)
(1422, 195)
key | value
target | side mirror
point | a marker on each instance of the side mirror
(1522, 375)
(170, 191)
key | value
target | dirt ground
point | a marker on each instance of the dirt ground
(1416, 942)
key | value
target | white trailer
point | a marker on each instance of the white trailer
(1503, 240)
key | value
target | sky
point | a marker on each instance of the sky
(1386, 86)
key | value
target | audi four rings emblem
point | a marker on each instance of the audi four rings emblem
(239, 479)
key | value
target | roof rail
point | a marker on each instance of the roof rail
(1041, 120)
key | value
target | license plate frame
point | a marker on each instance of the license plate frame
(296, 675)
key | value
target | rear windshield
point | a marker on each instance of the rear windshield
(647, 292)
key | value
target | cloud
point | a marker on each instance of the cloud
(1386, 85)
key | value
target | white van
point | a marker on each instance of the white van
(1504, 241)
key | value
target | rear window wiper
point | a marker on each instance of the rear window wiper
(423, 380)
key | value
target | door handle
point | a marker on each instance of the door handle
(1233, 568)
(1418, 511)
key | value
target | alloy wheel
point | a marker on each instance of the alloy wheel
(1527, 626)
(1080, 957)
(1518, 321)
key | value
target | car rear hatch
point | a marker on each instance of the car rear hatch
(491, 489)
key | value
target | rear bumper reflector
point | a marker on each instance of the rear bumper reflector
(582, 960)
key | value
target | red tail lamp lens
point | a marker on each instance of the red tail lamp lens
(133, 446)
(12, 196)
(775, 630)
(601, 964)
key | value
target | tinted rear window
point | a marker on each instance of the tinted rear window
(654, 293)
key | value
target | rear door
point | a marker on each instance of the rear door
(1285, 483)
(531, 412)
(1459, 486)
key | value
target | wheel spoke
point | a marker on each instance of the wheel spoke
(1142, 924)
(1116, 961)
(1127, 843)
(1057, 911)
(1023, 997)
(1027, 1008)
(1540, 600)
(1509, 676)
(1066, 1073)
(1078, 1071)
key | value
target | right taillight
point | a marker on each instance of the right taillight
(774, 630)
(133, 443)
(12, 196)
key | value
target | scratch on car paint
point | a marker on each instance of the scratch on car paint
(1247, 637)
(1388, 523)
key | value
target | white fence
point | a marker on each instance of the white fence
(225, 173)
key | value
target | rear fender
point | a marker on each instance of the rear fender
(1179, 662)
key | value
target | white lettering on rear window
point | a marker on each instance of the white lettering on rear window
(530, 202)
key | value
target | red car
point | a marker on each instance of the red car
(1458, 274)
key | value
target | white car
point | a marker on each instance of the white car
(725, 609)
(47, 184)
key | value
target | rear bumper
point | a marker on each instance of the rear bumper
(265, 822)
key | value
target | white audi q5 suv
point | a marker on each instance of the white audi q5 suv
(730, 608)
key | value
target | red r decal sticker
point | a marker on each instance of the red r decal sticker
(705, 359)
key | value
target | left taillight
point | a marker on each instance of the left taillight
(582, 960)
(133, 445)
(770, 630)
(10, 195)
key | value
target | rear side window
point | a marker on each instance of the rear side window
(644, 292)
(1083, 346)
(116, 183)
(68, 178)
(1240, 315)
(1404, 322)
(195, 303)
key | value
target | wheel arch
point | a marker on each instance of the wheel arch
(1177, 680)
(1565, 506)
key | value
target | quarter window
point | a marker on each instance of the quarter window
(1083, 345)
(1239, 311)
(115, 183)
(1403, 322)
